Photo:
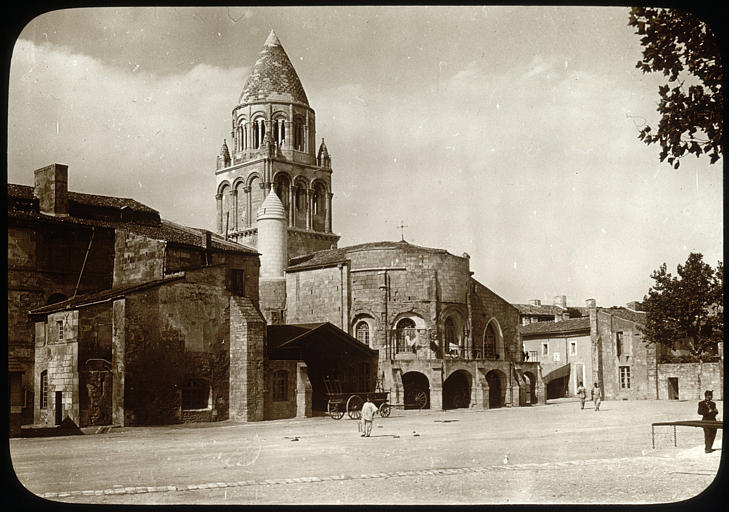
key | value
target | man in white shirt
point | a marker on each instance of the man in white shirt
(368, 415)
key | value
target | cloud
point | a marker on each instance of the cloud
(122, 132)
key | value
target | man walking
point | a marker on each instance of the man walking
(596, 396)
(708, 412)
(368, 415)
(581, 394)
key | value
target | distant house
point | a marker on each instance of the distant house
(607, 347)
(535, 311)
(564, 351)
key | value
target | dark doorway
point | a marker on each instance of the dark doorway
(416, 390)
(532, 388)
(59, 407)
(493, 378)
(557, 388)
(457, 390)
(673, 388)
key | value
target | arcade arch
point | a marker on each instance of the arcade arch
(416, 390)
(497, 388)
(457, 390)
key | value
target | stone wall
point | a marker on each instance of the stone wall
(688, 376)
(635, 357)
(317, 295)
(486, 305)
(138, 258)
(95, 330)
(274, 410)
(45, 259)
(153, 363)
(247, 332)
(58, 355)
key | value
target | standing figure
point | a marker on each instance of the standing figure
(708, 412)
(596, 396)
(582, 394)
(368, 415)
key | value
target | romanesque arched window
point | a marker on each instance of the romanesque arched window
(450, 336)
(299, 134)
(226, 221)
(282, 186)
(405, 334)
(489, 340)
(279, 131)
(300, 199)
(362, 332)
(195, 394)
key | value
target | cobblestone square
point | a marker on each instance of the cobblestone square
(553, 453)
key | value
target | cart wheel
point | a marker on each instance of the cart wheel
(354, 407)
(335, 411)
(385, 409)
(421, 399)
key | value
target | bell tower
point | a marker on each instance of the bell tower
(272, 146)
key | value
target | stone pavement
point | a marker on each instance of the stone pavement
(118, 489)
(553, 454)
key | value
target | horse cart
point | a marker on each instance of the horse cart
(339, 402)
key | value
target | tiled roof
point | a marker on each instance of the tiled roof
(571, 325)
(164, 230)
(531, 309)
(273, 77)
(340, 255)
(627, 314)
(108, 294)
(26, 192)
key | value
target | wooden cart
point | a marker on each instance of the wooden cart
(339, 402)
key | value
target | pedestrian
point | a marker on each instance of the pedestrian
(708, 412)
(368, 415)
(582, 394)
(596, 396)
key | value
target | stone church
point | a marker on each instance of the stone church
(443, 339)
(118, 316)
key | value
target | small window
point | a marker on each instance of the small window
(280, 386)
(533, 355)
(195, 394)
(619, 343)
(573, 348)
(237, 282)
(59, 325)
(624, 377)
(545, 349)
(362, 332)
(44, 390)
(555, 357)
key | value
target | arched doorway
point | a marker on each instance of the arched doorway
(416, 390)
(531, 380)
(496, 390)
(557, 388)
(457, 390)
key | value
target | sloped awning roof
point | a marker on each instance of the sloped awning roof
(325, 339)
(557, 373)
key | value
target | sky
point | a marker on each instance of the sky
(508, 133)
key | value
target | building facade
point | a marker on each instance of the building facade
(441, 335)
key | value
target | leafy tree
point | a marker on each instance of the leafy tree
(687, 307)
(691, 104)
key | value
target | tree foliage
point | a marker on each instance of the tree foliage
(687, 306)
(679, 45)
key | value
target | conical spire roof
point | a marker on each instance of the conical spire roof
(273, 77)
(272, 207)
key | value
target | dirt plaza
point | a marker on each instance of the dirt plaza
(555, 453)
